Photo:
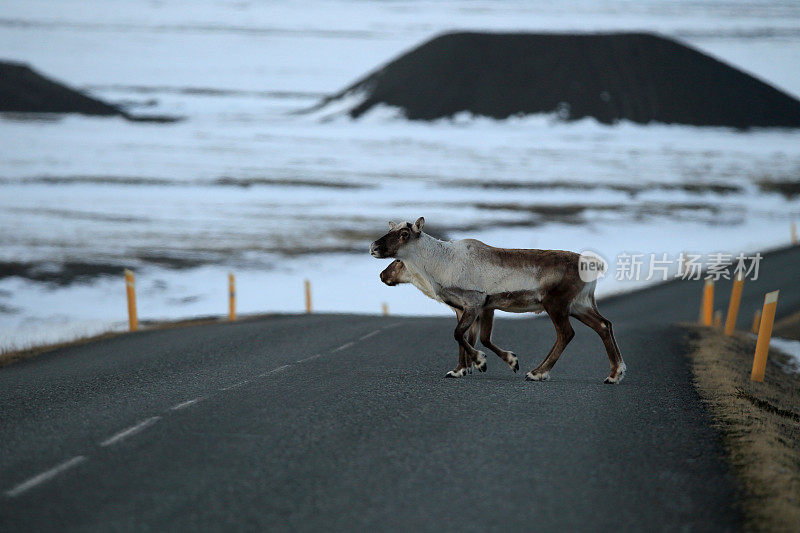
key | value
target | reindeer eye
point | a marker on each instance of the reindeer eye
(404, 234)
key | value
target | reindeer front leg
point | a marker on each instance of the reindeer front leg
(468, 317)
(462, 367)
(466, 362)
(472, 339)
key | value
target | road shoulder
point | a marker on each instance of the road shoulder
(759, 424)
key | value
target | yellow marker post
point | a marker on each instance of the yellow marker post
(764, 335)
(231, 297)
(733, 305)
(794, 233)
(130, 289)
(717, 318)
(707, 315)
(756, 321)
(385, 309)
(308, 296)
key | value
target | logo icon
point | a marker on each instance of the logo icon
(591, 266)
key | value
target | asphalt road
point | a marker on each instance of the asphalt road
(338, 422)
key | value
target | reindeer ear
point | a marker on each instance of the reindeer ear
(392, 225)
(418, 225)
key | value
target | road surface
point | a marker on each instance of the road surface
(340, 422)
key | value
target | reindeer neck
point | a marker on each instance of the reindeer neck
(427, 258)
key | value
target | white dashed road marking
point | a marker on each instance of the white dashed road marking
(44, 476)
(144, 424)
(343, 347)
(274, 370)
(133, 430)
(184, 405)
(235, 385)
(368, 335)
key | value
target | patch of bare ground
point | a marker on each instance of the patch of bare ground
(788, 328)
(575, 213)
(759, 422)
(788, 188)
(631, 190)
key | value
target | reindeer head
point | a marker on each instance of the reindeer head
(399, 235)
(395, 274)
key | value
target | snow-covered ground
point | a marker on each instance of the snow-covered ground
(243, 184)
(791, 348)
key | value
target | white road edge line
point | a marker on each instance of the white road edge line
(368, 335)
(184, 405)
(133, 430)
(309, 358)
(44, 476)
(343, 346)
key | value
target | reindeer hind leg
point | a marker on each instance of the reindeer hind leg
(602, 326)
(564, 334)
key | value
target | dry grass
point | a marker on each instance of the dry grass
(788, 328)
(760, 424)
(12, 356)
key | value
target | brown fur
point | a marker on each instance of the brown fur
(396, 274)
(552, 276)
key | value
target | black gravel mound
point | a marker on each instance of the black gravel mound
(24, 90)
(639, 77)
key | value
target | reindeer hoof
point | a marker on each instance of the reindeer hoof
(614, 380)
(513, 362)
(480, 362)
(539, 376)
(455, 373)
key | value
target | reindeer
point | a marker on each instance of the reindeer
(396, 273)
(475, 278)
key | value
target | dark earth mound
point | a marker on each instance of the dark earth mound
(23, 90)
(634, 76)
